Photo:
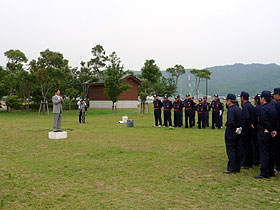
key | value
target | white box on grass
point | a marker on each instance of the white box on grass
(58, 135)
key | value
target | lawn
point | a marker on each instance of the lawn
(105, 165)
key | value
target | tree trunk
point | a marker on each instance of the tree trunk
(113, 107)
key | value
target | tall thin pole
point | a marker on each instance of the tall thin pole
(206, 88)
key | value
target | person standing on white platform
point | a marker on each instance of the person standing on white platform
(57, 111)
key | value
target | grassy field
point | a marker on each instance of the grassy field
(104, 165)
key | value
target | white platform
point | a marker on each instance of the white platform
(58, 135)
(108, 104)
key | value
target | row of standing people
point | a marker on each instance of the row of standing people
(252, 134)
(190, 107)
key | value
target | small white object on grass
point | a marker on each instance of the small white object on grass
(58, 135)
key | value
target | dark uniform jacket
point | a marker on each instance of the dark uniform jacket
(177, 105)
(167, 105)
(207, 104)
(216, 105)
(201, 108)
(248, 112)
(189, 104)
(268, 118)
(157, 104)
(234, 118)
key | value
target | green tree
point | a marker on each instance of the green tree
(200, 74)
(13, 102)
(175, 73)
(165, 86)
(26, 84)
(114, 85)
(72, 94)
(98, 63)
(86, 76)
(150, 75)
(16, 60)
(51, 71)
(3, 82)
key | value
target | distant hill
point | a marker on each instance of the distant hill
(252, 78)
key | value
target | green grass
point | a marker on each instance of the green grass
(105, 165)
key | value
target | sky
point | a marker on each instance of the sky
(193, 33)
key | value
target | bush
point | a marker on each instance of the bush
(14, 102)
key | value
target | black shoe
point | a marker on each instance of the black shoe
(261, 177)
(213, 128)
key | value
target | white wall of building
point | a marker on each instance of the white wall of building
(108, 104)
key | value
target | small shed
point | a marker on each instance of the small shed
(128, 99)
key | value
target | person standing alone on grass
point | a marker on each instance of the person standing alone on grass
(232, 135)
(157, 111)
(57, 111)
(82, 106)
(267, 133)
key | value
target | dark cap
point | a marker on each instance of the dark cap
(188, 95)
(200, 99)
(231, 96)
(266, 94)
(175, 97)
(178, 96)
(216, 95)
(165, 96)
(256, 96)
(245, 95)
(204, 97)
(276, 91)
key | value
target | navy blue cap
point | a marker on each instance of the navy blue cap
(188, 95)
(231, 96)
(276, 91)
(200, 99)
(266, 94)
(178, 96)
(245, 95)
(216, 95)
(165, 96)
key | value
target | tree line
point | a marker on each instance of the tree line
(32, 82)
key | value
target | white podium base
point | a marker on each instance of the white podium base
(58, 135)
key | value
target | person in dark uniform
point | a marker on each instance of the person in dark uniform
(167, 106)
(188, 105)
(177, 106)
(246, 147)
(276, 141)
(267, 131)
(181, 110)
(157, 111)
(207, 104)
(216, 107)
(193, 112)
(201, 109)
(232, 134)
(256, 119)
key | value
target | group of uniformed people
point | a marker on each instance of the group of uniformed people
(252, 133)
(190, 108)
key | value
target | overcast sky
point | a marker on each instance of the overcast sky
(194, 33)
